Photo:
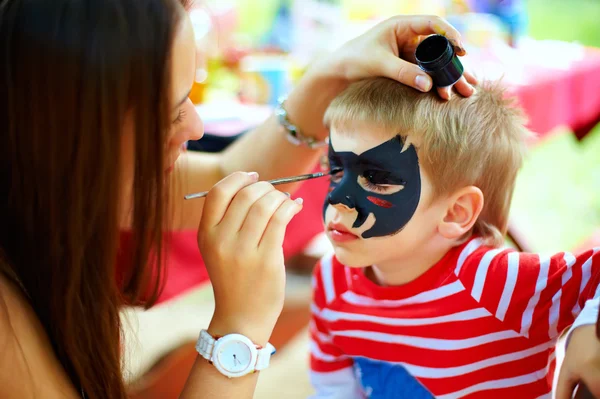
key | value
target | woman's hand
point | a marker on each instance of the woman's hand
(241, 236)
(388, 50)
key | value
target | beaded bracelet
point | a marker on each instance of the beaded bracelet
(294, 135)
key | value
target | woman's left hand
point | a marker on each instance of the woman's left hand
(385, 50)
(388, 50)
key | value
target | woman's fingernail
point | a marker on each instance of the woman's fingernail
(253, 175)
(299, 201)
(459, 47)
(423, 83)
(449, 92)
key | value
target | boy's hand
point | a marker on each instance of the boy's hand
(388, 49)
(581, 363)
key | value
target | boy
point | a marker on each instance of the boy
(420, 300)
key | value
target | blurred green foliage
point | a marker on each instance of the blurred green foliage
(568, 20)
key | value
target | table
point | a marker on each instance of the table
(563, 97)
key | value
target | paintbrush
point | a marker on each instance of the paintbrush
(275, 182)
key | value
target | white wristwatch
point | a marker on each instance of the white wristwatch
(234, 355)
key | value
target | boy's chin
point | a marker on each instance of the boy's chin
(352, 258)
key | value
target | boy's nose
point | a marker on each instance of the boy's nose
(342, 207)
(342, 196)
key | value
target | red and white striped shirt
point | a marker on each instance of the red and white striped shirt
(481, 323)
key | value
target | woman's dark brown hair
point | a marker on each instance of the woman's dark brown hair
(71, 72)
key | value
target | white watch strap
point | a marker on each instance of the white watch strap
(264, 357)
(206, 344)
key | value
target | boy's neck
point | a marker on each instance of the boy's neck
(402, 271)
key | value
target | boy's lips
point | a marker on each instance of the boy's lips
(339, 233)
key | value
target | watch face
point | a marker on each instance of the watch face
(234, 356)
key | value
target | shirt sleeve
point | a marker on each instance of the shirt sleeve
(589, 315)
(537, 296)
(331, 371)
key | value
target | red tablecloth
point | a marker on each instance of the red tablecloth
(551, 98)
(563, 97)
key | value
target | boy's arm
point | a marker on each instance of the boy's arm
(331, 371)
(581, 364)
(589, 314)
(537, 296)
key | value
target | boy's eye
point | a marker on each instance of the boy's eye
(382, 177)
(336, 175)
(380, 182)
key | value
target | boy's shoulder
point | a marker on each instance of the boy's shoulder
(475, 252)
(475, 261)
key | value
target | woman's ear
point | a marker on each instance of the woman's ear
(463, 211)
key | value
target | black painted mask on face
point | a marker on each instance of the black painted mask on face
(383, 181)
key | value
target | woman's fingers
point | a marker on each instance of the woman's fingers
(426, 25)
(472, 79)
(220, 196)
(275, 231)
(411, 75)
(241, 204)
(445, 92)
(259, 216)
(406, 72)
(462, 86)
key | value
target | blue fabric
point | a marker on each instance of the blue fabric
(381, 380)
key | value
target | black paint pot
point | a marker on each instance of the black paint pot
(435, 55)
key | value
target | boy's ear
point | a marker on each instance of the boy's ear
(463, 211)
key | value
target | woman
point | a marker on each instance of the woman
(94, 112)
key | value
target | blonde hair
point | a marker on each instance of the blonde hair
(479, 140)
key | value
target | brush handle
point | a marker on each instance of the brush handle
(294, 179)
(275, 182)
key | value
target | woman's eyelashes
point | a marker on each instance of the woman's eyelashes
(180, 117)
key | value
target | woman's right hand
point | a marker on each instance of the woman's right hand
(241, 237)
